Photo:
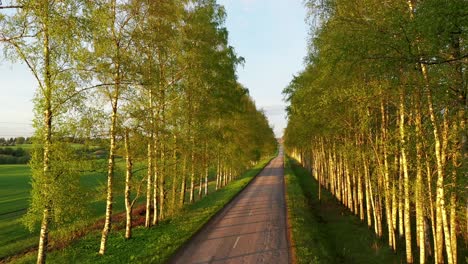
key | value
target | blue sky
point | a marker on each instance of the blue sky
(17, 88)
(270, 34)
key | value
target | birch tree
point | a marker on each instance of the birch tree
(113, 23)
(42, 35)
(389, 65)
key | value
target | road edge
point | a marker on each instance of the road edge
(291, 246)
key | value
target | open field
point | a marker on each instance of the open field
(29, 146)
(23, 146)
(153, 245)
(14, 190)
(326, 232)
(14, 194)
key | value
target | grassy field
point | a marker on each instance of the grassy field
(153, 245)
(29, 146)
(326, 232)
(23, 146)
(14, 194)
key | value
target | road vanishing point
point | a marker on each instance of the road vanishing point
(252, 228)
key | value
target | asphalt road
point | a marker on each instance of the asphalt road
(250, 229)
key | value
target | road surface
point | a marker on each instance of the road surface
(251, 229)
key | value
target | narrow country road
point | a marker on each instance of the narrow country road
(251, 229)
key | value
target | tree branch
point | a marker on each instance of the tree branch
(82, 90)
(442, 61)
(11, 7)
(30, 66)
(137, 194)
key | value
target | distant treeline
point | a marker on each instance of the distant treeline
(14, 141)
(14, 156)
(29, 140)
(10, 154)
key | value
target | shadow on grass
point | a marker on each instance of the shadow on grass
(325, 231)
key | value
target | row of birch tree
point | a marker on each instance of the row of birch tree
(153, 81)
(379, 117)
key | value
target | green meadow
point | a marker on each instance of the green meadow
(14, 199)
(14, 193)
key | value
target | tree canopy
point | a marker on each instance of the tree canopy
(379, 116)
(152, 81)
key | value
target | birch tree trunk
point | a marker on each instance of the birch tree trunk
(431, 206)
(174, 177)
(401, 231)
(459, 129)
(162, 182)
(162, 142)
(369, 206)
(407, 216)
(44, 236)
(388, 197)
(46, 218)
(218, 172)
(206, 170)
(156, 171)
(128, 178)
(396, 166)
(192, 171)
(111, 164)
(441, 214)
(150, 154)
(420, 222)
(149, 183)
(184, 181)
(200, 188)
(110, 173)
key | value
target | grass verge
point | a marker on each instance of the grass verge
(154, 245)
(325, 231)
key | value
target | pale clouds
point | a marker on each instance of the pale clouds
(276, 115)
(273, 110)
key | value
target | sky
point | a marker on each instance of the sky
(270, 34)
(272, 37)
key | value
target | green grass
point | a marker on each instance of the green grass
(153, 245)
(14, 193)
(326, 232)
(14, 189)
(23, 146)
(14, 199)
(29, 146)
